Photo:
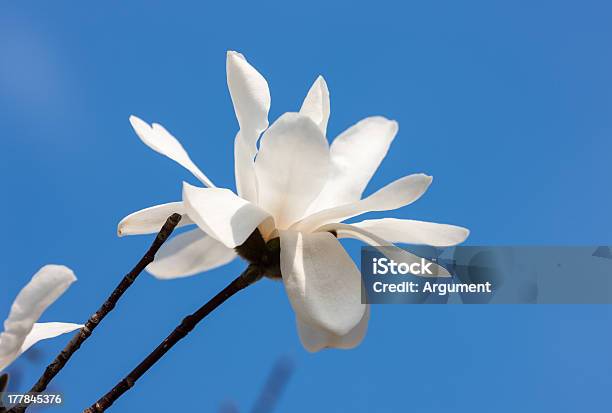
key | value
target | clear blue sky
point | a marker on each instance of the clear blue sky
(507, 104)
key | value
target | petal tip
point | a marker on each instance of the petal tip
(140, 126)
(322, 82)
(312, 349)
(231, 54)
(465, 235)
(64, 273)
(136, 121)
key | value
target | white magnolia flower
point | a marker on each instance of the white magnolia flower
(296, 190)
(21, 330)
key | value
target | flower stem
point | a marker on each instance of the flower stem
(83, 334)
(248, 277)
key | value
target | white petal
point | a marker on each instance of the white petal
(315, 339)
(397, 194)
(316, 104)
(321, 280)
(161, 141)
(222, 214)
(151, 220)
(388, 249)
(43, 331)
(249, 91)
(45, 287)
(415, 232)
(189, 253)
(291, 167)
(355, 155)
(251, 99)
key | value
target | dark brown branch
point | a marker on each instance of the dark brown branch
(91, 324)
(248, 277)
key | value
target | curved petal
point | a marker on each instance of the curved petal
(150, 220)
(322, 281)
(388, 249)
(316, 104)
(397, 194)
(291, 167)
(161, 141)
(355, 156)
(408, 231)
(315, 339)
(222, 214)
(251, 98)
(46, 286)
(189, 253)
(43, 331)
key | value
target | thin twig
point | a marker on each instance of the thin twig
(84, 333)
(248, 277)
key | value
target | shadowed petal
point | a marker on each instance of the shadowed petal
(189, 253)
(151, 220)
(222, 214)
(315, 339)
(391, 251)
(415, 232)
(322, 281)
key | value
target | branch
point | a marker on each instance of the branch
(248, 277)
(275, 385)
(84, 333)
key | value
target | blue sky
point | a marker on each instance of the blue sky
(506, 104)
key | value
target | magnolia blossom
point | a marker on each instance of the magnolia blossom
(21, 330)
(296, 190)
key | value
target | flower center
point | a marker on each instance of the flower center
(265, 255)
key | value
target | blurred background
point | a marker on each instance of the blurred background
(506, 104)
